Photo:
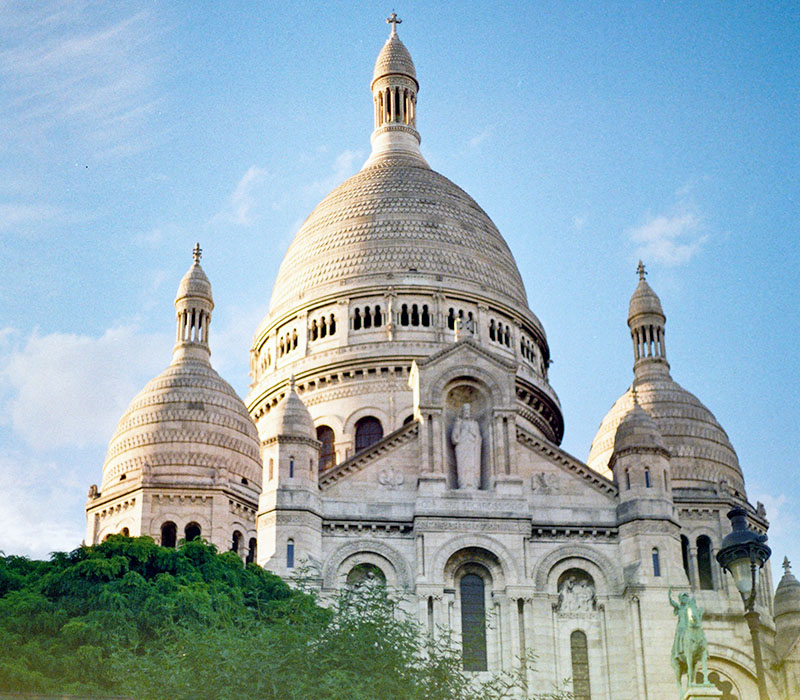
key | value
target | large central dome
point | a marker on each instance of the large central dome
(393, 266)
(398, 217)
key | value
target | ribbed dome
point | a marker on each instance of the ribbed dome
(638, 430)
(398, 217)
(291, 417)
(195, 284)
(787, 595)
(185, 426)
(644, 301)
(699, 447)
(394, 59)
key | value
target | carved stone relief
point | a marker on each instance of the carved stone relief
(575, 593)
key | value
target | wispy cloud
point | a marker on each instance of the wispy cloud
(478, 139)
(25, 217)
(242, 203)
(344, 165)
(669, 239)
(68, 66)
(68, 389)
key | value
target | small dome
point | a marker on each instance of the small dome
(644, 301)
(638, 430)
(187, 426)
(787, 595)
(394, 59)
(701, 453)
(195, 284)
(291, 417)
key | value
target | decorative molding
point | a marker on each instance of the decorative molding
(335, 559)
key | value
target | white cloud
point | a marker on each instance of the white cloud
(67, 389)
(668, 239)
(38, 506)
(579, 222)
(243, 201)
(344, 165)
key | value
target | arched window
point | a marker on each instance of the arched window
(357, 320)
(426, 317)
(404, 315)
(451, 319)
(581, 688)
(236, 541)
(656, 563)
(291, 467)
(362, 573)
(290, 554)
(378, 316)
(192, 532)
(492, 333)
(685, 555)
(627, 479)
(323, 327)
(314, 331)
(414, 315)
(327, 451)
(271, 468)
(408, 419)
(704, 563)
(368, 432)
(169, 534)
(252, 550)
(473, 623)
(367, 317)
(332, 325)
(125, 531)
(647, 482)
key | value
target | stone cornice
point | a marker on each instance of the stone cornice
(568, 463)
(362, 459)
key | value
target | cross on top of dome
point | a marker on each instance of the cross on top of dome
(640, 269)
(197, 252)
(787, 567)
(394, 20)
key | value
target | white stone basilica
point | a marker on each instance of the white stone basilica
(400, 425)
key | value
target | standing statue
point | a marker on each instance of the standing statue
(466, 437)
(689, 648)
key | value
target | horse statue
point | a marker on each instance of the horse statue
(689, 650)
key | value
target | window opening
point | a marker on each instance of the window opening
(656, 563)
(704, 563)
(252, 548)
(290, 554)
(192, 532)
(169, 534)
(581, 689)
(368, 431)
(327, 451)
(473, 623)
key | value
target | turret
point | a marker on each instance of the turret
(787, 611)
(640, 465)
(290, 487)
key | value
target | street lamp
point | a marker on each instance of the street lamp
(743, 553)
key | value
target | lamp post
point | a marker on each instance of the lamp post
(743, 553)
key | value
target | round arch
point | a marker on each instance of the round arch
(607, 577)
(497, 394)
(509, 567)
(367, 552)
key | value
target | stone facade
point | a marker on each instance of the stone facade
(398, 324)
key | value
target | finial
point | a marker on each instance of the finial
(291, 383)
(642, 272)
(394, 20)
(197, 253)
(787, 567)
(635, 396)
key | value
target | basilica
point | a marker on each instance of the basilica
(400, 426)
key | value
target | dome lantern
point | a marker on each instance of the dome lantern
(193, 305)
(646, 320)
(394, 93)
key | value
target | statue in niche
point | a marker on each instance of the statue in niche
(466, 438)
(575, 594)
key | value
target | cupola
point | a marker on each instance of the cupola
(193, 305)
(646, 320)
(787, 609)
(394, 93)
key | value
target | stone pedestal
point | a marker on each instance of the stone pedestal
(702, 692)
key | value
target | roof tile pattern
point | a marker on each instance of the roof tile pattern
(396, 216)
(699, 447)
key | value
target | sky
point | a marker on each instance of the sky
(593, 134)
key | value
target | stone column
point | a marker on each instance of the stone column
(693, 568)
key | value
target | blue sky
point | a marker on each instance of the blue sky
(592, 134)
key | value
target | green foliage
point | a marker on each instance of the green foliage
(130, 618)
